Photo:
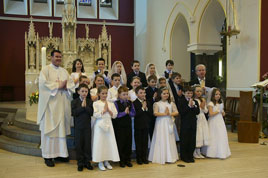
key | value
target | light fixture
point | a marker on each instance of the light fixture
(231, 29)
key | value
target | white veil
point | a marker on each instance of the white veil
(123, 72)
(147, 74)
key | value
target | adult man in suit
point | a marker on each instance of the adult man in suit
(201, 80)
(136, 72)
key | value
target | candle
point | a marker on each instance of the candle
(43, 56)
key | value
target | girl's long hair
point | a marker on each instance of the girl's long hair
(74, 64)
(160, 91)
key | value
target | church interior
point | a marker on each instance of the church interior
(227, 36)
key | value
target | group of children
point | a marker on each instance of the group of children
(111, 122)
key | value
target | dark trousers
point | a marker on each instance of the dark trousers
(178, 124)
(141, 141)
(124, 143)
(82, 139)
(187, 142)
(151, 127)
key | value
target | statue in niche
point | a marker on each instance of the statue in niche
(104, 54)
(69, 11)
(50, 26)
(87, 31)
(69, 41)
(32, 57)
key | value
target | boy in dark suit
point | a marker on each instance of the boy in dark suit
(123, 126)
(136, 72)
(175, 86)
(188, 109)
(82, 110)
(144, 113)
(101, 71)
(169, 69)
(151, 92)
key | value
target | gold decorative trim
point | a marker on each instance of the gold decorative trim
(196, 7)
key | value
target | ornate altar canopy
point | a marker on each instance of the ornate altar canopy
(38, 49)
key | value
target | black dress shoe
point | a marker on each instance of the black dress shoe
(191, 160)
(122, 164)
(186, 160)
(145, 161)
(129, 164)
(61, 159)
(80, 168)
(49, 162)
(89, 166)
(139, 161)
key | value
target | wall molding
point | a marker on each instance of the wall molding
(59, 21)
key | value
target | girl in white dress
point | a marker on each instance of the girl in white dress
(202, 131)
(77, 71)
(118, 67)
(151, 70)
(218, 144)
(163, 145)
(136, 81)
(104, 143)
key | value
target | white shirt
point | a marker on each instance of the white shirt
(113, 94)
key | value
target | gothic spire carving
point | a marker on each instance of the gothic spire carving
(31, 32)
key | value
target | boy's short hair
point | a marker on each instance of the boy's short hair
(122, 89)
(100, 59)
(152, 77)
(174, 75)
(81, 77)
(135, 61)
(82, 85)
(188, 88)
(139, 88)
(161, 79)
(115, 75)
(171, 62)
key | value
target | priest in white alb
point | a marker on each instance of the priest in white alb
(54, 110)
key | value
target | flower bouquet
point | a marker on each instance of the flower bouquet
(33, 98)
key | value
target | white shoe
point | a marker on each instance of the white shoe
(108, 165)
(101, 166)
(196, 155)
(199, 154)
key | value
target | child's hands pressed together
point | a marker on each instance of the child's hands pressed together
(84, 103)
(144, 105)
(167, 111)
(191, 102)
(105, 109)
(127, 110)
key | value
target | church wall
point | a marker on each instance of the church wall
(243, 61)
(12, 46)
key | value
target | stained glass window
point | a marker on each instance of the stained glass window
(60, 1)
(85, 2)
(40, 1)
(105, 3)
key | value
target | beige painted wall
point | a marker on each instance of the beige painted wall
(243, 53)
